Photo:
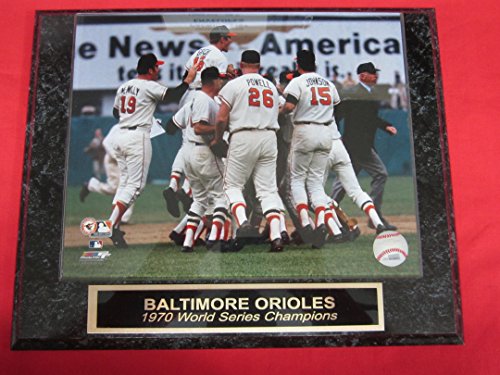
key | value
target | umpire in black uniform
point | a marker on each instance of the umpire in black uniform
(359, 110)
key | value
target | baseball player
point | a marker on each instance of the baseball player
(203, 168)
(340, 163)
(134, 106)
(250, 108)
(173, 193)
(210, 56)
(312, 99)
(112, 171)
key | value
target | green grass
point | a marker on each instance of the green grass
(399, 196)
(399, 199)
(166, 262)
(150, 207)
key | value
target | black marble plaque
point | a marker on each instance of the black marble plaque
(52, 312)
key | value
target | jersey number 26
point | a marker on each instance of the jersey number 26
(254, 98)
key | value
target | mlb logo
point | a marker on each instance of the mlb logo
(95, 244)
(104, 229)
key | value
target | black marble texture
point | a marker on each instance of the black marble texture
(52, 314)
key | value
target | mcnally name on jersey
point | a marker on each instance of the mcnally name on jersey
(129, 90)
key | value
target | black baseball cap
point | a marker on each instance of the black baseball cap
(146, 62)
(250, 56)
(219, 32)
(367, 68)
(210, 74)
(306, 59)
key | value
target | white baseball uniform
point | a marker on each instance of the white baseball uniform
(180, 119)
(253, 121)
(203, 168)
(136, 102)
(209, 56)
(311, 142)
(110, 186)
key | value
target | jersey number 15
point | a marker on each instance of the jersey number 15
(324, 96)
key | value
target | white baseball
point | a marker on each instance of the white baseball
(390, 248)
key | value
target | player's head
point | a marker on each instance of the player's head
(148, 65)
(368, 74)
(211, 78)
(306, 60)
(221, 37)
(250, 61)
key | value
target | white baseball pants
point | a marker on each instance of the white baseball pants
(311, 145)
(253, 153)
(133, 153)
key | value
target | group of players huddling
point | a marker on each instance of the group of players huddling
(251, 150)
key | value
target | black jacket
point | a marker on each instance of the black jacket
(359, 109)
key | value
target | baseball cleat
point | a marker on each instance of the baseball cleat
(177, 238)
(226, 246)
(386, 224)
(118, 238)
(319, 237)
(338, 238)
(213, 245)
(84, 192)
(172, 203)
(277, 245)
(307, 234)
(185, 200)
(296, 238)
(354, 233)
(286, 238)
(244, 234)
(200, 242)
(236, 245)
(187, 249)
(381, 228)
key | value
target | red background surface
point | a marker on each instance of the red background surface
(469, 34)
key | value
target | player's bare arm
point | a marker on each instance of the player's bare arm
(291, 103)
(221, 122)
(203, 128)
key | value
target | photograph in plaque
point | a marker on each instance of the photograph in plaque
(277, 175)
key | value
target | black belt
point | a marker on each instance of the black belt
(132, 127)
(251, 129)
(313, 123)
(196, 88)
(198, 143)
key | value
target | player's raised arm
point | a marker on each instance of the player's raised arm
(175, 94)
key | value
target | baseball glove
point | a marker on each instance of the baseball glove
(220, 149)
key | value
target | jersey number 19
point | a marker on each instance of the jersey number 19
(128, 106)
